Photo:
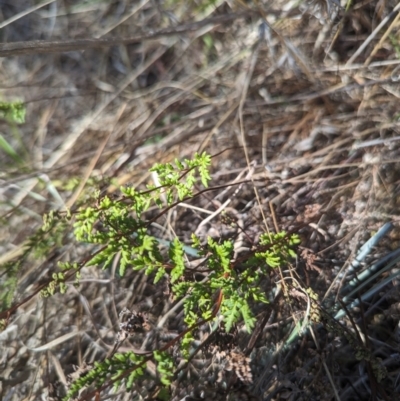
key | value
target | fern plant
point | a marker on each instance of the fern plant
(121, 226)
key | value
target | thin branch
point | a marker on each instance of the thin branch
(60, 46)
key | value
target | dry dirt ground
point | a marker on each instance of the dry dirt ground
(298, 102)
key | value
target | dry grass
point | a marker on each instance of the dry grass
(301, 100)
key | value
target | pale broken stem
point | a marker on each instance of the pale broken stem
(238, 178)
(227, 202)
(55, 342)
(216, 213)
(246, 84)
(199, 209)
